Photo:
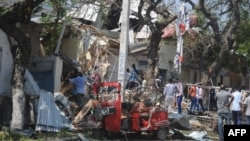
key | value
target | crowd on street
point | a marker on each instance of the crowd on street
(230, 103)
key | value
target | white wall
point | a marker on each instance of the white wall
(112, 73)
(166, 54)
(6, 64)
(57, 73)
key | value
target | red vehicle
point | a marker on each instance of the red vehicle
(116, 117)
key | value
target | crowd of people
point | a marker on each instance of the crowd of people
(232, 104)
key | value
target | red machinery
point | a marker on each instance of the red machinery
(115, 117)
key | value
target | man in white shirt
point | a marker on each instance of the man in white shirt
(179, 95)
(199, 97)
(246, 103)
(169, 93)
(236, 106)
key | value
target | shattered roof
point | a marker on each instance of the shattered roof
(87, 11)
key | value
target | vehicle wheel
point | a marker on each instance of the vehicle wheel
(111, 136)
(97, 133)
(161, 134)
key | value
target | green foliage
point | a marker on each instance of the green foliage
(53, 21)
(200, 19)
(243, 36)
(7, 134)
(52, 25)
(2, 11)
(51, 36)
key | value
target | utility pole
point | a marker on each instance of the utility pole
(124, 39)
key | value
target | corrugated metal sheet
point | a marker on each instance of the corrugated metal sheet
(31, 87)
(134, 8)
(139, 47)
(88, 12)
(144, 33)
(49, 117)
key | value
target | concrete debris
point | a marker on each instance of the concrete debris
(179, 121)
(85, 109)
(195, 135)
(199, 135)
(179, 135)
(195, 123)
(82, 137)
(58, 96)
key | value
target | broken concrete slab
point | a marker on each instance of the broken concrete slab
(199, 135)
(195, 123)
(179, 121)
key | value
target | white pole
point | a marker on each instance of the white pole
(60, 37)
(123, 45)
(209, 97)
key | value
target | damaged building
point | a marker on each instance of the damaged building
(85, 42)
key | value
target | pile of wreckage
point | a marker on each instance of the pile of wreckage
(53, 112)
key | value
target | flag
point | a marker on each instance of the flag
(182, 25)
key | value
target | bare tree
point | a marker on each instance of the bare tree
(221, 20)
(165, 17)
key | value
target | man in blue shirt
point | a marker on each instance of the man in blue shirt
(78, 82)
(134, 78)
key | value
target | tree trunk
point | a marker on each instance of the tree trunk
(18, 97)
(152, 56)
(9, 23)
(21, 55)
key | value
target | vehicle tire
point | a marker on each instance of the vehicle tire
(97, 133)
(112, 136)
(161, 134)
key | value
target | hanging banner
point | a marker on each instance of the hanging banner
(182, 25)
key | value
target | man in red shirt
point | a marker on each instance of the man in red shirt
(192, 95)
